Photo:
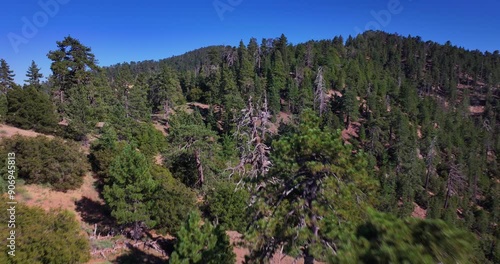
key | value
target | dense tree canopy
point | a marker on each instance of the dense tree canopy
(302, 137)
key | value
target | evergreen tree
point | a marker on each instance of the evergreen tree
(170, 202)
(198, 243)
(193, 152)
(72, 63)
(73, 67)
(276, 79)
(137, 105)
(316, 190)
(6, 77)
(128, 190)
(165, 91)
(383, 238)
(246, 71)
(33, 75)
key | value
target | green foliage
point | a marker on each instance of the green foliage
(402, 90)
(149, 140)
(171, 202)
(193, 153)
(103, 152)
(6, 77)
(52, 237)
(129, 186)
(42, 160)
(204, 243)
(33, 75)
(3, 107)
(228, 206)
(73, 67)
(29, 108)
(165, 90)
(316, 192)
(384, 238)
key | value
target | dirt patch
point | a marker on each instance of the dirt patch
(284, 118)
(333, 93)
(44, 197)
(351, 131)
(160, 127)
(476, 110)
(419, 212)
(159, 159)
(10, 131)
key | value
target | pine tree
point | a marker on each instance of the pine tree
(245, 72)
(198, 243)
(193, 149)
(316, 190)
(384, 238)
(6, 77)
(72, 65)
(137, 106)
(165, 91)
(276, 82)
(129, 187)
(33, 75)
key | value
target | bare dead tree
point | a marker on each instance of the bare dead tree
(429, 162)
(319, 94)
(230, 56)
(456, 182)
(251, 131)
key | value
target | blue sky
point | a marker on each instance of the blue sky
(122, 31)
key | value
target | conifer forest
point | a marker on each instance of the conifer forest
(378, 148)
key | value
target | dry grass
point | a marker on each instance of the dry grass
(10, 131)
(47, 199)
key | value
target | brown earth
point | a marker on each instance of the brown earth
(44, 197)
(419, 212)
(10, 131)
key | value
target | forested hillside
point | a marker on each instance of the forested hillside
(372, 149)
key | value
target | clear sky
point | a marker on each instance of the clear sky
(123, 31)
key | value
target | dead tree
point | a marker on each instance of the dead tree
(429, 162)
(252, 129)
(319, 94)
(455, 183)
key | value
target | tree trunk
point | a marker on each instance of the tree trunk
(308, 258)
(448, 193)
(427, 177)
(199, 167)
(61, 96)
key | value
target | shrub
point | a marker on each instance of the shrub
(52, 237)
(31, 109)
(42, 160)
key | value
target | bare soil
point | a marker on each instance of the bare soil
(10, 131)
